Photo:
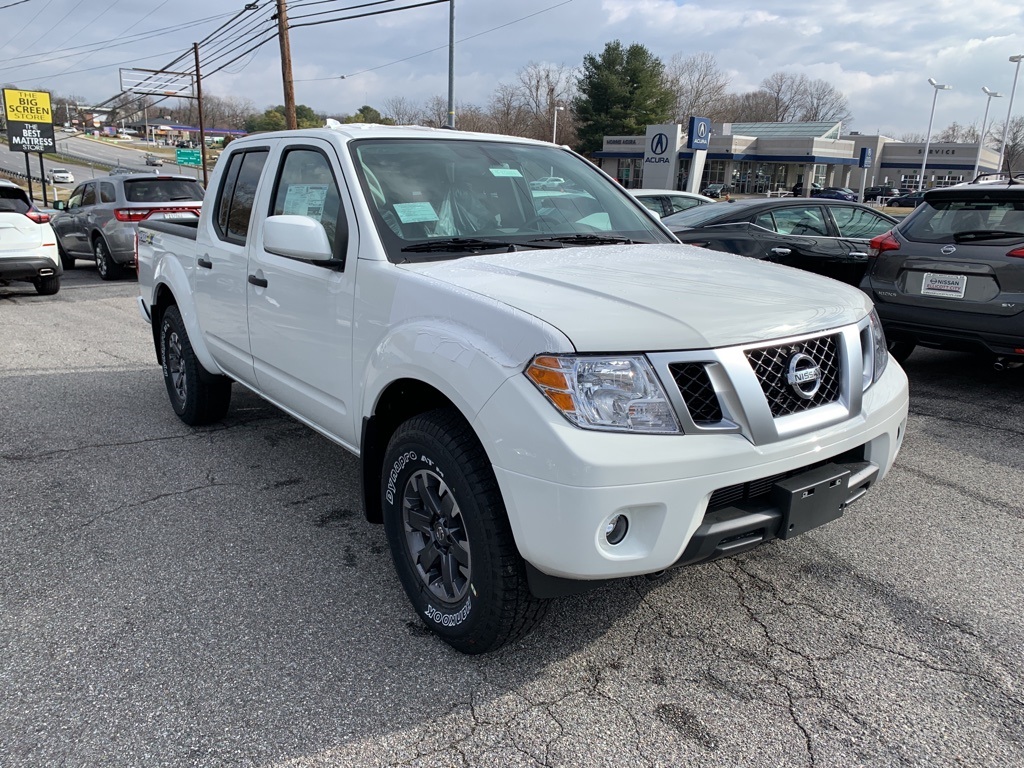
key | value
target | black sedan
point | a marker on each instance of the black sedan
(829, 237)
(911, 200)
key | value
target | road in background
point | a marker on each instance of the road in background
(213, 596)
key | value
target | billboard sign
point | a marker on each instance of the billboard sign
(189, 157)
(27, 106)
(30, 137)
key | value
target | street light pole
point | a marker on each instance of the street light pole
(928, 139)
(981, 137)
(1009, 110)
(554, 127)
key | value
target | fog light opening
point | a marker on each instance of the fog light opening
(615, 529)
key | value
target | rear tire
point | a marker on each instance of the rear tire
(47, 286)
(107, 268)
(450, 537)
(900, 350)
(197, 396)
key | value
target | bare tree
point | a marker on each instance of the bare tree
(541, 88)
(698, 84)
(750, 107)
(435, 112)
(402, 111)
(470, 117)
(787, 94)
(508, 112)
(913, 138)
(1013, 157)
(822, 101)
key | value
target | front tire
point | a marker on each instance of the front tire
(450, 538)
(105, 265)
(198, 397)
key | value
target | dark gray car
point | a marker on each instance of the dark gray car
(951, 275)
(99, 220)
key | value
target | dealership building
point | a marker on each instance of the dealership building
(756, 158)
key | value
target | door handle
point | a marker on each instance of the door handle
(259, 282)
(204, 263)
(858, 254)
(781, 251)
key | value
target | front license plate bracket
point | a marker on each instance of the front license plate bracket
(811, 499)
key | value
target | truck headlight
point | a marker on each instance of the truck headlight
(876, 351)
(619, 394)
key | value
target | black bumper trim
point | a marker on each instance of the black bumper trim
(28, 268)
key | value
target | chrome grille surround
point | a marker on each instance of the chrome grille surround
(741, 398)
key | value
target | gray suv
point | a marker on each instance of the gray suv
(99, 220)
(951, 274)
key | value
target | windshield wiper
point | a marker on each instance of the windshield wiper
(467, 244)
(985, 234)
(586, 239)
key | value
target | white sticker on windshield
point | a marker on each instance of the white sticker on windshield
(306, 200)
(410, 213)
(506, 172)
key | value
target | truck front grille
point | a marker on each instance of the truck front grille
(698, 394)
(771, 366)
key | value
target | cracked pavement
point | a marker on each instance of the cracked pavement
(213, 597)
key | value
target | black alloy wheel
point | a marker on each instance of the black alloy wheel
(197, 396)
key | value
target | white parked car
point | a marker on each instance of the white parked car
(668, 201)
(28, 247)
(61, 176)
(548, 182)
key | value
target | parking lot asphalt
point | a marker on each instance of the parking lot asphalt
(173, 596)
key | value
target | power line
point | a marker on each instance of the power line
(364, 15)
(438, 48)
(339, 10)
(11, 5)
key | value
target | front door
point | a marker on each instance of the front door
(300, 313)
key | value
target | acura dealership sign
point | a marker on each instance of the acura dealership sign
(661, 156)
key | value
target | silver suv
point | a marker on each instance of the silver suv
(99, 220)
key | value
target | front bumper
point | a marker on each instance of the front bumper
(562, 485)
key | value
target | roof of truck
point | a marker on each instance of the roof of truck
(375, 131)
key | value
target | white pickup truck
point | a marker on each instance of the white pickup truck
(545, 389)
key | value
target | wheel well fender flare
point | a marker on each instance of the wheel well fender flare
(171, 288)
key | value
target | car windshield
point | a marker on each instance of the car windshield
(156, 190)
(58, 170)
(445, 198)
(963, 221)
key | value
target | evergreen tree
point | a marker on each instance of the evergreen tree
(621, 92)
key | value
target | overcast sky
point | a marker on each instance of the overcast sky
(879, 54)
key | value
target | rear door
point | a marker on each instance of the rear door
(300, 313)
(856, 227)
(222, 253)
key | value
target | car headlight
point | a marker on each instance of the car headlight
(619, 394)
(876, 351)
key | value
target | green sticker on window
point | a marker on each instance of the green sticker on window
(410, 213)
(506, 172)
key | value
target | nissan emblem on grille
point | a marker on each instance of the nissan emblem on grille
(803, 375)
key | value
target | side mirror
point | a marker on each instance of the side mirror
(297, 237)
(59, 205)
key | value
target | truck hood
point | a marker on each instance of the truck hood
(618, 298)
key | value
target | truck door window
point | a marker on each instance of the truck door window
(237, 194)
(107, 192)
(89, 198)
(306, 187)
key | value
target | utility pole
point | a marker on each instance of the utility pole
(286, 66)
(451, 63)
(202, 127)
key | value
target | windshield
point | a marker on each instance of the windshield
(960, 221)
(443, 198)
